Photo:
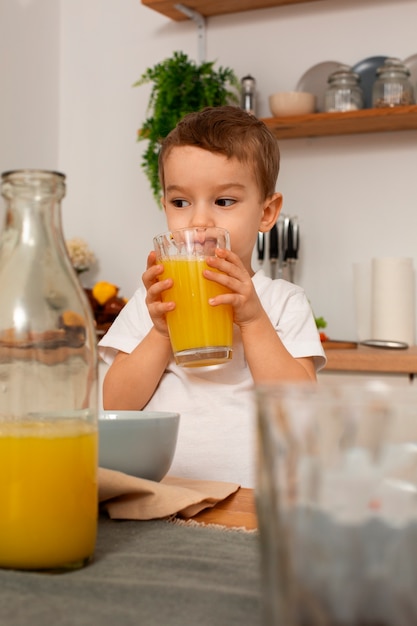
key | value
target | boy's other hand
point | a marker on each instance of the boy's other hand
(154, 288)
(235, 277)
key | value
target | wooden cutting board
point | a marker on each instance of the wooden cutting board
(330, 344)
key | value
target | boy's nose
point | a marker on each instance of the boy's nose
(201, 217)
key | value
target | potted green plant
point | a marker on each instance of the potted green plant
(179, 86)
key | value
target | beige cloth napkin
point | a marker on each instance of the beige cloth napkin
(127, 497)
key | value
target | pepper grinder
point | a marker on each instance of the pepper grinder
(248, 94)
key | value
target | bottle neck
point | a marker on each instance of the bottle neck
(33, 206)
(34, 187)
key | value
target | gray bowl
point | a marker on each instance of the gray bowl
(139, 443)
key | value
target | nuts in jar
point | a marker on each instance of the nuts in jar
(392, 86)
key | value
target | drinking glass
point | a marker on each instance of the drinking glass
(200, 334)
(336, 497)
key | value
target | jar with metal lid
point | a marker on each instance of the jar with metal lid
(392, 86)
(343, 92)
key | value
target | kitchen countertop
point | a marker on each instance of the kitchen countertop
(378, 360)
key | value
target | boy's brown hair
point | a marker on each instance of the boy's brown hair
(230, 131)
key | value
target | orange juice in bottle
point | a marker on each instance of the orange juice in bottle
(48, 486)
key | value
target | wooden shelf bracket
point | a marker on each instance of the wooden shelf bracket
(201, 29)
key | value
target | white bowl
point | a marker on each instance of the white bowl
(139, 443)
(286, 103)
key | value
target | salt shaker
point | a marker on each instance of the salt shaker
(48, 378)
(343, 92)
(248, 94)
(392, 86)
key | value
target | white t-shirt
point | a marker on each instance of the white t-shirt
(216, 439)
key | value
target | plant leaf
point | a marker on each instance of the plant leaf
(179, 86)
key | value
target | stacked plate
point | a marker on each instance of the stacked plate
(314, 80)
(366, 69)
(411, 63)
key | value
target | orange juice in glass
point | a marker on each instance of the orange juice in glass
(200, 334)
(48, 487)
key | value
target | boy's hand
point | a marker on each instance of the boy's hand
(243, 297)
(154, 288)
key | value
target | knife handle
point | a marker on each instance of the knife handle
(293, 239)
(273, 243)
(285, 237)
(261, 246)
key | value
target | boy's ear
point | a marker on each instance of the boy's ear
(271, 211)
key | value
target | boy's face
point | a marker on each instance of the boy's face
(207, 189)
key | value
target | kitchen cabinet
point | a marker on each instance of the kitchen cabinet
(361, 363)
(326, 377)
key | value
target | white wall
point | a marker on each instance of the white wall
(29, 70)
(355, 196)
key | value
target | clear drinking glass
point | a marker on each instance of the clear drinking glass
(48, 385)
(200, 334)
(337, 504)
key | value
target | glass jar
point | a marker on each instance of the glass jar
(343, 92)
(392, 86)
(48, 385)
(248, 94)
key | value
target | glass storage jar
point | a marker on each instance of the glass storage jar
(392, 86)
(343, 92)
(48, 385)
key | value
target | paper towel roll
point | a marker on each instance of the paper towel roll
(392, 299)
(362, 298)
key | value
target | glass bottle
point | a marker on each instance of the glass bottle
(248, 94)
(48, 385)
(392, 86)
(343, 92)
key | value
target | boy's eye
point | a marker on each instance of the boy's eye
(180, 203)
(225, 202)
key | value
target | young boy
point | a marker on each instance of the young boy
(218, 167)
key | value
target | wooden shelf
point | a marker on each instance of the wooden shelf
(313, 125)
(209, 8)
(347, 123)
